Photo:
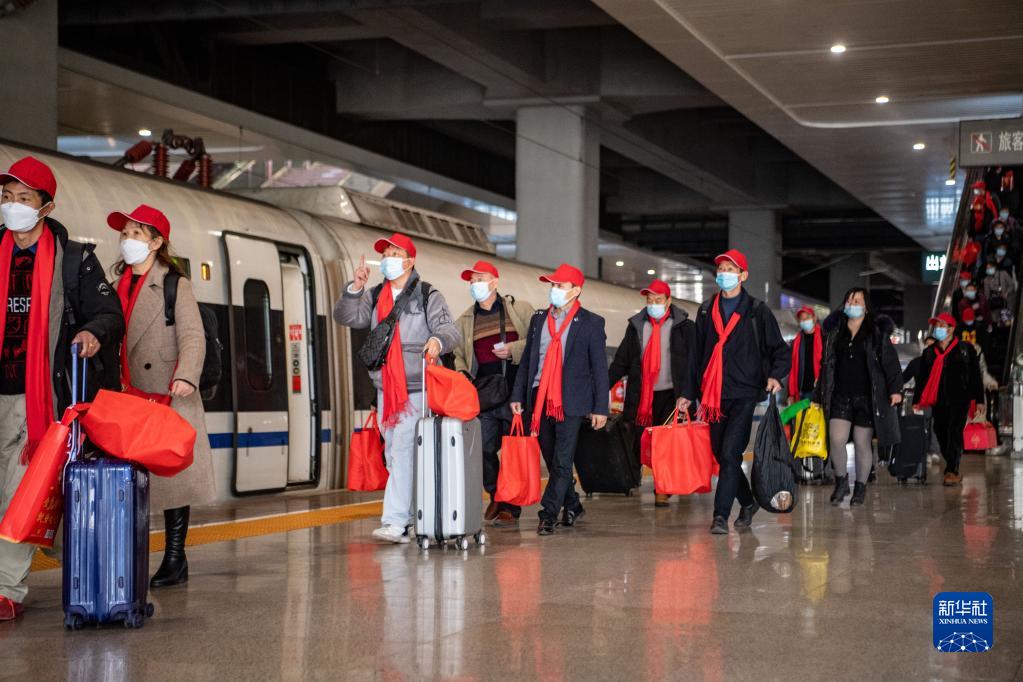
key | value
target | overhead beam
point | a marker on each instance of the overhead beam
(314, 34)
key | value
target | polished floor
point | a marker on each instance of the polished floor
(632, 593)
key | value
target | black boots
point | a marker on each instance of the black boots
(174, 569)
(859, 494)
(841, 489)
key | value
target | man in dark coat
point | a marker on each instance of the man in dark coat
(651, 402)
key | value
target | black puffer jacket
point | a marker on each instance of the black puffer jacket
(882, 366)
(961, 381)
(628, 361)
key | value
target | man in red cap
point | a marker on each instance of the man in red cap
(54, 294)
(493, 337)
(562, 382)
(949, 380)
(807, 351)
(424, 324)
(654, 356)
(738, 353)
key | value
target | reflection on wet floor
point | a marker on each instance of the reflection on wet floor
(633, 592)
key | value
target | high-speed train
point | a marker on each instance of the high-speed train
(271, 265)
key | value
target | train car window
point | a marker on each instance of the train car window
(185, 265)
(258, 339)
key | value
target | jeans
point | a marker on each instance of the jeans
(728, 439)
(495, 424)
(949, 422)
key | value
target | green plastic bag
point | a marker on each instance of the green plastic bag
(790, 412)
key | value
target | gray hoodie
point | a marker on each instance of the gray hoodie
(416, 327)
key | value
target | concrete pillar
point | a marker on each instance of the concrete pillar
(845, 274)
(28, 72)
(756, 233)
(557, 185)
(916, 307)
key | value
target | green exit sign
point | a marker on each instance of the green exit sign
(932, 265)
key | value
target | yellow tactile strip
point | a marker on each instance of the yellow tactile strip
(236, 530)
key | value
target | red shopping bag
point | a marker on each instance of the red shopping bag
(979, 436)
(36, 508)
(366, 470)
(161, 398)
(518, 480)
(450, 393)
(138, 430)
(682, 459)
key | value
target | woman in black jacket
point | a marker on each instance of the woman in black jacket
(860, 384)
(676, 337)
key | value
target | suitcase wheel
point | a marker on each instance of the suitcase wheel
(135, 620)
(481, 538)
(463, 543)
(73, 622)
(628, 493)
(149, 610)
(424, 542)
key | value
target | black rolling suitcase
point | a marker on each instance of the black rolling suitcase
(909, 458)
(606, 460)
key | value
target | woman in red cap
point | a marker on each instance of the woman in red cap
(949, 380)
(807, 351)
(860, 384)
(654, 355)
(166, 360)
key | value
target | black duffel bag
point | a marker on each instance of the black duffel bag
(373, 353)
(493, 389)
(773, 477)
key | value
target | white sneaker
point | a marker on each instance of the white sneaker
(395, 534)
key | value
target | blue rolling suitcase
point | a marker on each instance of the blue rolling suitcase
(106, 536)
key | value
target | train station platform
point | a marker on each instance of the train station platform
(295, 588)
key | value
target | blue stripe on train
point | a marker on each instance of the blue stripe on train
(220, 441)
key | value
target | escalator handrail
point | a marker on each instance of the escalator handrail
(960, 235)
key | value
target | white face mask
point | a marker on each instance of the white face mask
(392, 267)
(134, 251)
(480, 291)
(19, 217)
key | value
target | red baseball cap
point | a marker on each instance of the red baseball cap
(944, 317)
(399, 240)
(657, 287)
(481, 267)
(147, 215)
(32, 173)
(968, 315)
(806, 309)
(565, 273)
(735, 256)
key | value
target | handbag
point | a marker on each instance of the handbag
(810, 434)
(449, 393)
(980, 436)
(159, 398)
(373, 352)
(518, 480)
(493, 390)
(681, 456)
(366, 470)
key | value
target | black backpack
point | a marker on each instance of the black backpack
(212, 368)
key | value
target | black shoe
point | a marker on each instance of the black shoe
(174, 568)
(841, 490)
(859, 494)
(569, 517)
(491, 512)
(872, 478)
(720, 526)
(546, 527)
(745, 519)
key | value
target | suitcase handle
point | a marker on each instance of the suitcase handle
(79, 366)
(422, 380)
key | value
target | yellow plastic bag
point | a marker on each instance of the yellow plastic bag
(811, 437)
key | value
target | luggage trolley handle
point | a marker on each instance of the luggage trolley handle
(422, 380)
(79, 372)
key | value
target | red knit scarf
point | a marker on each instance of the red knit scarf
(818, 352)
(713, 376)
(38, 382)
(548, 395)
(930, 395)
(396, 403)
(127, 306)
(651, 368)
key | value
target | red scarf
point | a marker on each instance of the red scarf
(395, 391)
(38, 382)
(548, 395)
(818, 352)
(651, 368)
(127, 306)
(713, 376)
(930, 395)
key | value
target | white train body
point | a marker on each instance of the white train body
(291, 393)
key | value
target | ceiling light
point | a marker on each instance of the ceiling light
(651, 272)
(145, 132)
(919, 145)
(619, 263)
(837, 49)
(950, 182)
(881, 99)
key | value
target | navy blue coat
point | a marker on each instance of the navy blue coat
(584, 387)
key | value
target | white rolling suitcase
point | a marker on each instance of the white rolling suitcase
(449, 480)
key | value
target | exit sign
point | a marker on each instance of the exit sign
(932, 265)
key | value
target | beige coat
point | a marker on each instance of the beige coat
(519, 312)
(153, 351)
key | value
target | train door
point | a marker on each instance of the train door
(259, 369)
(299, 324)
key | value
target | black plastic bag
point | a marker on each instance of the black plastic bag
(773, 476)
